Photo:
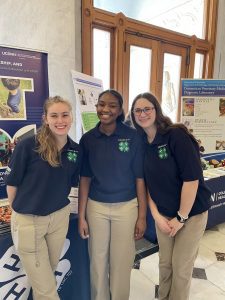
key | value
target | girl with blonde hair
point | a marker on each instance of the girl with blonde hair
(41, 172)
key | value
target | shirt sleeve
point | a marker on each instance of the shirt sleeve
(85, 165)
(17, 164)
(186, 155)
(138, 161)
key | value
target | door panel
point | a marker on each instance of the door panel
(173, 69)
(139, 67)
(151, 65)
(140, 71)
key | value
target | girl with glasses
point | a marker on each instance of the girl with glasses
(177, 195)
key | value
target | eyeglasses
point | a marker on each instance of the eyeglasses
(146, 110)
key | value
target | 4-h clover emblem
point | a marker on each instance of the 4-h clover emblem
(72, 156)
(162, 152)
(124, 146)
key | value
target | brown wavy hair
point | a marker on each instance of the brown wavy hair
(162, 122)
(46, 141)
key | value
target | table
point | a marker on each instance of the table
(73, 278)
(217, 209)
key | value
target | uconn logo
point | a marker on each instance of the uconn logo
(218, 196)
(13, 280)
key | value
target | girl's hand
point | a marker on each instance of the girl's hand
(139, 228)
(163, 224)
(83, 228)
(175, 226)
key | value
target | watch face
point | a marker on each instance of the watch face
(180, 219)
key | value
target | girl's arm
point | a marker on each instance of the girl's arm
(11, 192)
(160, 220)
(82, 204)
(142, 207)
(188, 195)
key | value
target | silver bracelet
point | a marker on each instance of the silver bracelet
(180, 215)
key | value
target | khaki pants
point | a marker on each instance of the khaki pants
(177, 256)
(111, 248)
(39, 241)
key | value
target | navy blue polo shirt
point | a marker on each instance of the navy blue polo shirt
(113, 162)
(171, 159)
(41, 188)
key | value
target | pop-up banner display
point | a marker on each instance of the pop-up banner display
(203, 112)
(23, 89)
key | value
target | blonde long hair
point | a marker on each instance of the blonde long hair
(46, 141)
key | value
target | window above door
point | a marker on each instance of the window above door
(178, 15)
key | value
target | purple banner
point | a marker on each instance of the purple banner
(23, 89)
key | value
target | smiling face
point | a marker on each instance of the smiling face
(108, 109)
(59, 119)
(144, 113)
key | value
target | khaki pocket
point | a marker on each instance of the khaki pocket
(25, 232)
(14, 231)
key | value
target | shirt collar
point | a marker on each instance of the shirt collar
(157, 140)
(70, 144)
(118, 130)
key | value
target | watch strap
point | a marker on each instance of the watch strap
(180, 218)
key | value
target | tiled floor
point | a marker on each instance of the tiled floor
(208, 282)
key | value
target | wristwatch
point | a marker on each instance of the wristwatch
(181, 218)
